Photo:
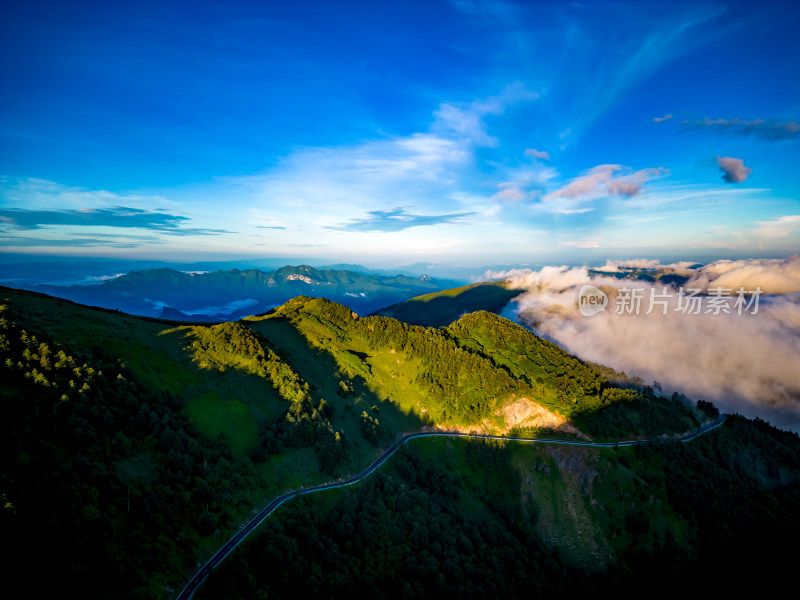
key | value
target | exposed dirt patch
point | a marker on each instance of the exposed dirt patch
(527, 413)
(485, 427)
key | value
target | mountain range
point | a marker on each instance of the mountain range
(132, 448)
(225, 295)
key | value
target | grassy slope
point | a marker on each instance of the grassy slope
(420, 370)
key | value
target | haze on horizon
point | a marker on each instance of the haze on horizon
(460, 132)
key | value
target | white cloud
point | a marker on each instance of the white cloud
(600, 182)
(781, 233)
(603, 180)
(581, 243)
(435, 172)
(466, 121)
(510, 193)
(32, 193)
(745, 363)
(593, 183)
(773, 276)
(615, 266)
(540, 154)
(462, 123)
(778, 228)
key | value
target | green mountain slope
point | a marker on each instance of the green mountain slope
(474, 372)
(511, 520)
(132, 448)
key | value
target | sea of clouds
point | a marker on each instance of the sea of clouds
(747, 363)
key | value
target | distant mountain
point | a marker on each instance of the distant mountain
(231, 294)
(665, 275)
(439, 309)
(356, 269)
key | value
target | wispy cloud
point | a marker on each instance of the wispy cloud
(603, 181)
(642, 52)
(397, 219)
(581, 243)
(770, 130)
(733, 169)
(526, 182)
(72, 242)
(35, 193)
(782, 233)
(333, 188)
(466, 121)
(511, 192)
(118, 216)
(778, 228)
(540, 154)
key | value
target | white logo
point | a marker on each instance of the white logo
(591, 300)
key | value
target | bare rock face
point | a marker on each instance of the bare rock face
(524, 412)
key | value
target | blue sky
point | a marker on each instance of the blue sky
(455, 132)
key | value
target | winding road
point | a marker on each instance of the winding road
(237, 539)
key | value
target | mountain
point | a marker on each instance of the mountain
(131, 448)
(231, 294)
(666, 275)
(438, 309)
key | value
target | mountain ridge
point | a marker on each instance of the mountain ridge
(133, 444)
(233, 293)
(441, 308)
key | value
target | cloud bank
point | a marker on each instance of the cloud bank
(744, 363)
(773, 276)
(616, 266)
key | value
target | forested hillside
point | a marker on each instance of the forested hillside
(463, 375)
(133, 448)
(718, 516)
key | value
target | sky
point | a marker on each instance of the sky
(385, 133)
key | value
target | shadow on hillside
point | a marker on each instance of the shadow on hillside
(318, 367)
(442, 310)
